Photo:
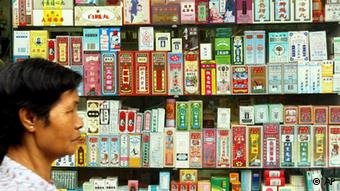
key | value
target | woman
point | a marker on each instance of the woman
(38, 122)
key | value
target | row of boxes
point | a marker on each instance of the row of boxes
(250, 49)
(289, 114)
(130, 12)
(267, 146)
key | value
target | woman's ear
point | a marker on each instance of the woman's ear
(27, 119)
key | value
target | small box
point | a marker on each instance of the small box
(238, 52)
(186, 175)
(126, 78)
(320, 115)
(326, 85)
(260, 47)
(52, 50)
(219, 183)
(223, 50)
(298, 46)
(275, 78)
(303, 78)
(202, 11)
(164, 181)
(196, 114)
(124, 150)
(318, 45)
(246, 115)
(156, 150)
(114, 150)
(91, 40)
(114, 39)
(104, 147)
(81, 152)
(278, 47)
(146, 38)
(145, 149)
(135, 150)
(334, 114)
(282, 11)
(327, 68)
(274, 181)
(132, 185)
(136, 12)
(261, 114)
(306, 114)
(291, 114)
(163, 41)
(223, 118)
(176, 45)
(240, 80)
(258, 79)
(205, 51)
(315, 77)
(261, 11)
(52, 17)
(223, 79)
(188, 12)
(168, 14)
(38, 44)
(21, 43)
(244, 12)
(93, 109)
(332, 12)
(190, 39)
(275, 113)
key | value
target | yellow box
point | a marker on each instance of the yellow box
(38, 43)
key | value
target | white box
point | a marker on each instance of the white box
(223, 118)
(156, 150)
(205, 51)
(145, 38)
(163, 41)
(176, 45)
(21, 43)
(182, 149)
(246, 115)
(318, 45)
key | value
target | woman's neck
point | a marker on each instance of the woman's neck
(31, 159)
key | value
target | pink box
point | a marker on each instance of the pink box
(244, 11)
(76, 50)
(92, 74)
(209, 148)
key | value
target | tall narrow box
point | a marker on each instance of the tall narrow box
(91, 40)
(304, 145)
(92, 74)
(135, 150)
(76, 50)
(239, 146)
(254, 146)
(258, 79)
(156, 150)
(333, 147)
(109, 73)
(209, 148)
(169, 147)
(182, 149)
(278, 47)
(195, 149)
(244, 12)
(290, 78)
(175, 71)
(191, 73)
(143, 72)
(319, 133)
(275, 78)
(208, 77)
(126, 78)
(223, 148)
(298, 46)
(271, 145)
(288, 146)
(159, 73)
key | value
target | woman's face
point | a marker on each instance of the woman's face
(61, 135)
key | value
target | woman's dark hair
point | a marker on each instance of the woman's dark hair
(35, 84)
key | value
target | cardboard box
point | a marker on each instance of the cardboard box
(182, 149)
(156, 150)
(290, 78)
(288, 146)
(124, 150)
(159, 73)
(223, 79)
(52, 17)
(306, 114)
(21, 43)
(38, 44)
(258, 79)
(271, 153)
(244, 12)
(126, 78)
(254, 146)
(146, 38)
(209, 148)
(202, 11)
(114, 150)
(278, 46)
(239, 146)
(318, 45)
(246, 115)
(320, 115)
(98, 16)
(93, 109)
(76, 50)
(175, 71)
(104, 147)
(275, 78)
(298, 46)
(261, 114)
(208, 77)
(191, 73)
(291, 114)
(143, 72)
(93, 150)
(92, 74)
(261, 11)
(304, 148)
(195, 150)
(223, 150)
(319, 133)
(240, 80)
(91, 40)
(109, 73)
(334, 114)
(135, 157)
(163, 41)
(136, 12)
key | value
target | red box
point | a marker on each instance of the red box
(126, 78)
(52, 46)
(209, 148)
(291, 114)
(76, 50)
(142, 73)
(275, 181)
(271, 145)
(159, 73)
(63, 50)
(239, 146)
(306, 114)
(202, 5)
(320, 115)
(240, 79)
(334, 114)
(274, 173)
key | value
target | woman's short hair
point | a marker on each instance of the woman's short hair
(35, 84)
